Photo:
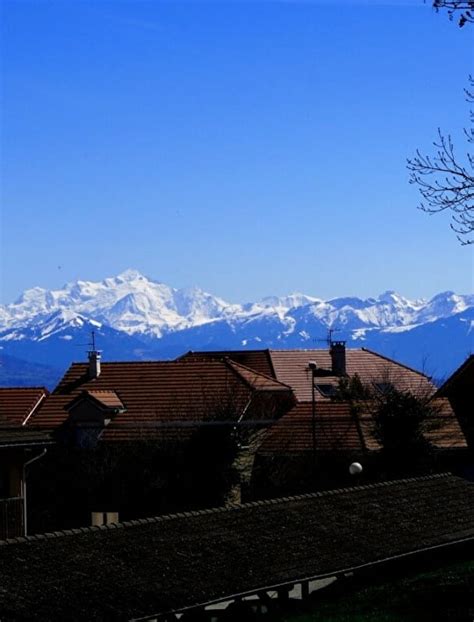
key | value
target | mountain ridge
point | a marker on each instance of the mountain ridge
(136, 317)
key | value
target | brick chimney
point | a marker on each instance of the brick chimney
(94, 363)
(338, 357)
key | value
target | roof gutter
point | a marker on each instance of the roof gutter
(26, 444)
(326, 575)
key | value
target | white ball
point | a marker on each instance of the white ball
(355, 468)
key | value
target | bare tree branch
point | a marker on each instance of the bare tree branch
(464, 9)
(446, 182)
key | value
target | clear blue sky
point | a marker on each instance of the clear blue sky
(246, 147)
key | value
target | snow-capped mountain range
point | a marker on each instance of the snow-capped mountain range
(136, 317)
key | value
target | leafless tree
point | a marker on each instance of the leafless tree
(464, 9)
(445, 181)
(399, 416)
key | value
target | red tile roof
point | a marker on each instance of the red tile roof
(442, 430)
(169, 395)
(17, 404)
(335, 429)
(291, 367)
(446, 433)
(107, 399)
(258, 380)
(259, 360)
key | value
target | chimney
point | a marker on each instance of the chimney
(94, 364)
(338, 357)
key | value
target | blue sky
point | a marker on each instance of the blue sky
(250, 148)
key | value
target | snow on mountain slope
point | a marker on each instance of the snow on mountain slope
(140, 317)
(132, 303)
(129, 302)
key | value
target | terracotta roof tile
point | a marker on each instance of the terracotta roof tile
(108, 399)
(335, 430)
(17, 404)
(159, 393)
(366, 427)
(443, 429)
(291, 367)
(258, 380)
(259, 360)
(446, 433)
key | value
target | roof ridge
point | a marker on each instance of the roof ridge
(309, 349)
(270, 350)
(177, 361)
(222, 353)
(455, 374)
(219, 510)
(141, 362)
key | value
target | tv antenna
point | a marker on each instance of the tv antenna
(90, 344)
(328, 338)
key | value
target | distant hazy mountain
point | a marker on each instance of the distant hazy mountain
(16, 372)
(137, 318)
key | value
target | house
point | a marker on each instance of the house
(139, 438)
(338, 432)
(242, 556)
(292, 367)
(20, 447)
(300, 451)
(143, 437)
(459, 390)
(128, 401)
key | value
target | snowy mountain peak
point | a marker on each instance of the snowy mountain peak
(129, 276)
(292, 301)
(138, 318)
(136, 305)
(391, 297)
(34, 298)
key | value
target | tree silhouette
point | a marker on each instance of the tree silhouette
(446, 181)
(462, 8)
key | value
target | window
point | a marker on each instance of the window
(326, 390)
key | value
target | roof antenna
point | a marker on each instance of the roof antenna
(328, 338)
